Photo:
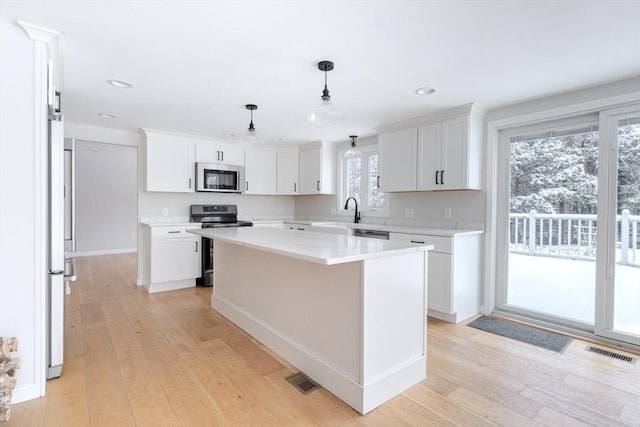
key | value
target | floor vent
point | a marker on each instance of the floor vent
(608, 353)
(303, 383)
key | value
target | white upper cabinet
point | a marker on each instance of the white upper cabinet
(171, 159)
(260, 171)
(287, 172)
(219, 152)
(317, 169)
(398, 151)
(170, 164)
(449, 157)
(442, 152)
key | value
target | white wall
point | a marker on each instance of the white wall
(23, 204)
(150, 204)
(106, 198)
(250, 207)
(563, 100)
(467, 207)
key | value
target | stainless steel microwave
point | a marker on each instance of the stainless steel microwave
(219, 178)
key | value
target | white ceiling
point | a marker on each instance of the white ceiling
(195, 64)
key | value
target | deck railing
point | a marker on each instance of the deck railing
(571, 236)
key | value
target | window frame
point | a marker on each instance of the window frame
(342, 193)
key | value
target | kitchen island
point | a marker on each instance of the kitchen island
(347, 311)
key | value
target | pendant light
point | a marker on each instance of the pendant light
(353, 151)
(325, 112)
(251, 132)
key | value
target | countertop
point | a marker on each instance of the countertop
(445, 232)
(168, 222)
(321, 248)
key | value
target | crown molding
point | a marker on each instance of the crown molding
(52, 39)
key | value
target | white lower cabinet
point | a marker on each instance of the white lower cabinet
(454, 276)
(175, 258)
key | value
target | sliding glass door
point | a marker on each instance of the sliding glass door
(618, 297)
(569, 234)
(551, 217)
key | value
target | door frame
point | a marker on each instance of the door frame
(605, 265)
(523, 115)
(577, 121)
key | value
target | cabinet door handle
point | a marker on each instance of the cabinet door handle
(318, 185)
(246, 186)
(417, 241)
(378, 181)
(437, 172)
(442, 177)
(295, 187)
(222, 156)
(175, 232)
(218, 154)
(189, 182)
(196, 246)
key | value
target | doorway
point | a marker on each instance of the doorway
(570, 210)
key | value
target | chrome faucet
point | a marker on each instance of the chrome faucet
(356, 218)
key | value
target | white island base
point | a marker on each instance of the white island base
(357, 327)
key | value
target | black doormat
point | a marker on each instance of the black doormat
(524, 333)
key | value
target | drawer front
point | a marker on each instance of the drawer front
(172, 231)
(441, 244)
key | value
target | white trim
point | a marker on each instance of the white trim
(41, 210)
(607, 207)
(173, 285)
(51, 38)
(104, 252)
(566, 111)
(22, 394)
(341, 196)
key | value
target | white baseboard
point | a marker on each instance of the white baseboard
(169, 286)
(451, 318)
(362, 398)
(105, 252)
(22, 394)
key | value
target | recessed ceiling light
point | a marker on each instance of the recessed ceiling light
(107, 116)
(229, 135)
(120, 83)
(426, 90)
(276, 138)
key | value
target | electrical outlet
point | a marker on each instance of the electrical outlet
(408, 213)
(132, 236)
(447, 212)
(165, 211)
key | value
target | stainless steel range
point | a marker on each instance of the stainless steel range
(212, 216)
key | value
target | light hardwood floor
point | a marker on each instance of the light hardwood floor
(134, 359)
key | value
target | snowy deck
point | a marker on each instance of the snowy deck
(566, 288)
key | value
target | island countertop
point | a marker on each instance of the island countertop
(321, 248)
